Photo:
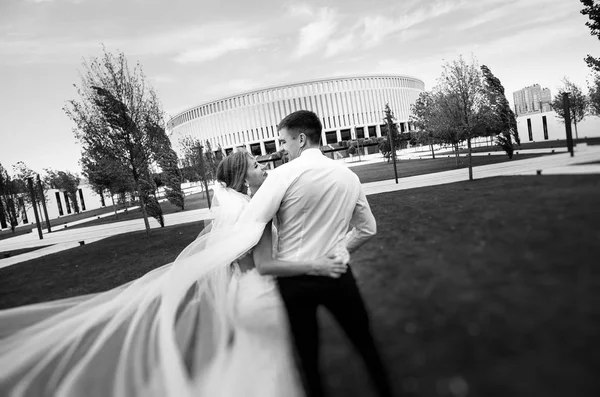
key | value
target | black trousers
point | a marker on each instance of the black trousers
(302, 295)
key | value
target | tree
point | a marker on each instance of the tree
(193, 163)
(210, 161)
(500, 119)
(591, 8)
(8, 200)
(463, 98)
(389, 129)
(172, 177)
(578, 103)
(104, 174)
(424, 114)
(594, 96)
(119, 116)
(65, 181)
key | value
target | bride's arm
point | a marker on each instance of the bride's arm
(264, 262)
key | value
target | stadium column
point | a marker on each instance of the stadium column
(263, 150)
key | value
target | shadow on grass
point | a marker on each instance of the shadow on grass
(8, 254)
(93, 267)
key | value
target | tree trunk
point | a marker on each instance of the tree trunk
(470, 158)
(576, 134)
(432, 152)
(114, 206)
(143, 207)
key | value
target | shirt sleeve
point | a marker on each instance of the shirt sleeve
(362, 222)
(265, 203)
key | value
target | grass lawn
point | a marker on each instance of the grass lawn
(192, 202)
(382, 171)
(483, 288)
(93, 267)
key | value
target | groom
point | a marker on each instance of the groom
(316, 200)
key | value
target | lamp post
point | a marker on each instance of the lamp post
(203, 171)
(392, 147)
(567, 110)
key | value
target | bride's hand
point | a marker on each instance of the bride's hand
(329, 266)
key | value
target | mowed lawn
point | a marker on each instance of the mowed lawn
(383, 170)
(483, 288)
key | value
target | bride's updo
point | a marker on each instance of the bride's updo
(232, 171)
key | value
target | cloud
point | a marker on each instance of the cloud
(210, 52)
(340, 45)
(299, 10)
(314, 36)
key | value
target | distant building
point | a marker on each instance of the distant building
(349, 108)
(532, 99)
(547, 126)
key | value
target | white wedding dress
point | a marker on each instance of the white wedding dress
(194, 327)
(259, 361)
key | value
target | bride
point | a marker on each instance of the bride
(206, 324)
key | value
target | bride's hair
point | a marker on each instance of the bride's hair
(232, 171)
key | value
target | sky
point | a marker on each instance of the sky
(194, 51)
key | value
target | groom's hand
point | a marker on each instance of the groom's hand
(331, 265)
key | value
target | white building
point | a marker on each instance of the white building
(59, 205)
(349, 108)
(536, 127)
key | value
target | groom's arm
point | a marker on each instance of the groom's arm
(265, 203)
(362, 222)
(267, 265)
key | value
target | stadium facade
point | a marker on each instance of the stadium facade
(349, 107)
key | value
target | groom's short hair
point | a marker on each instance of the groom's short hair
(303, 121)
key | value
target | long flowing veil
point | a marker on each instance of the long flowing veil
(154, 336)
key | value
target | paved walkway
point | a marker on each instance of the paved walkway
(561, 163)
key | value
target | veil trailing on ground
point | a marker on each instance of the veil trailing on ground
(154, 336)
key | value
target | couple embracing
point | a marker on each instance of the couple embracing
(236, 313)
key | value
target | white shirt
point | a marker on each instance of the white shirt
(315, 201)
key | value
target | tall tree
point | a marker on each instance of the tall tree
(594, 95)
(9, 216)
(578, 103)
(423, 116)
(462, 87)
(500, 119)
(192, 161)
(119, 115)
(211, 163)
(64, 181)
(21, 174)
(390, 128)
(591, 8)
(172, 177)
(106, 175)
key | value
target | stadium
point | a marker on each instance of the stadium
(350, 108)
